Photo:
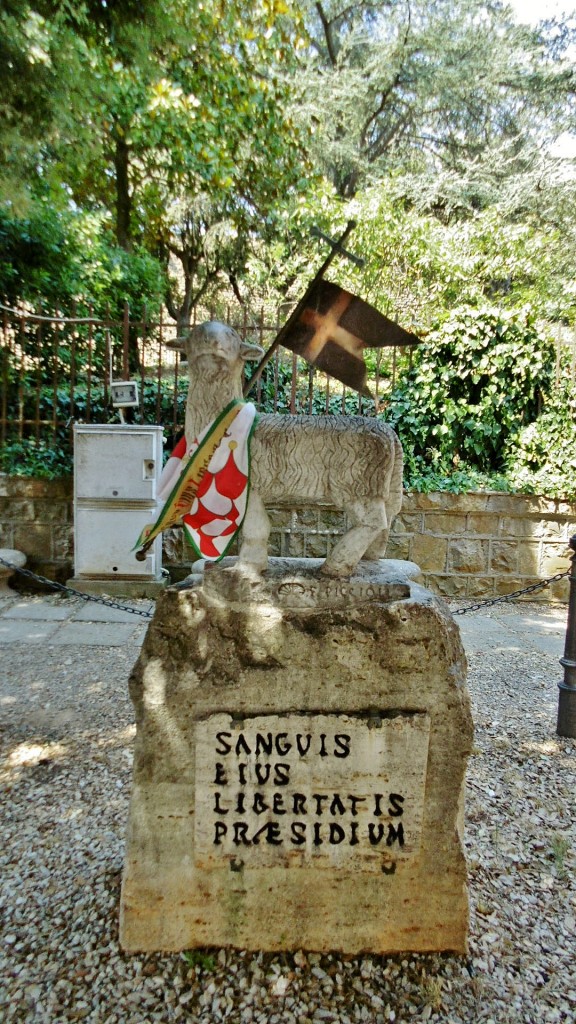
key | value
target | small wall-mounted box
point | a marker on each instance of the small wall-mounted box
(124, 393)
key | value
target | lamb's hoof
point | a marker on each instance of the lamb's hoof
(251, 569)
(336, 572)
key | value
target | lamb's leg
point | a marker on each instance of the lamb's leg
(377, 548)
(255, 533)
(394, 493)
(370, 523)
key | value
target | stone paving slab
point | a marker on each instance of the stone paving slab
(515, 631)
(550, 623)
(37, 610)
(479, 632)
(551, 644)
(92, 612)
(91, 634)
(25, 631)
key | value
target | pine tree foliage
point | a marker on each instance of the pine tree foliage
(453, 92)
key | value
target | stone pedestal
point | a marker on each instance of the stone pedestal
(299, 766)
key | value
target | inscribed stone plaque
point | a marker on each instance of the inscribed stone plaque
(310, 790)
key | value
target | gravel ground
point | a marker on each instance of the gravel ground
(67, 732)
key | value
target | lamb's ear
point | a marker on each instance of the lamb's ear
(249, 351)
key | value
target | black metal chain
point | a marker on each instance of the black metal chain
(510, 597)
(532, 589)
(77, 593)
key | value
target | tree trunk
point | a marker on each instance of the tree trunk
(123, 196)
(124, 232)
(183, 312)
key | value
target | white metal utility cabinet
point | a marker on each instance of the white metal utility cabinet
(116, 473)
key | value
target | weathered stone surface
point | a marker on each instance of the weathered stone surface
(299, 766)
(430, 552)
(448, 586)
(399, 546)
(173, 545)
(518, 527)
(279, 517)
(300, 769)
(435, 522)
(62, 543)
(509, 584)
(483, 524)
(553, 522)
(555, 558)
(12, 509)
(504, 556)
(480, 586)
(317, 545)
(529, 558)
(35, 539)
(408, 523)
(7, 535)
(468, 555)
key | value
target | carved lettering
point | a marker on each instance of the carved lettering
(298, 830)
(294, 789)
(281, 774)
(217, 808)
(282, 745)
(397, 809)
(223, 747)
(342, 745)
(337, 806)
(263, 744)
(220, 830)
(262, 773)
(395, 835)
(298, 803)
(303, 743)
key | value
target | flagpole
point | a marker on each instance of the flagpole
(336, 250)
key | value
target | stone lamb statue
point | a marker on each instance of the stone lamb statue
(351, 462)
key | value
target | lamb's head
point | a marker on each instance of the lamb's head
(216, 353)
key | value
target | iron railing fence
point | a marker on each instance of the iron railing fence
(56, 368)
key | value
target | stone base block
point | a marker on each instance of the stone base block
(299, 766)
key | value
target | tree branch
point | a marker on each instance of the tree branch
(327, 26)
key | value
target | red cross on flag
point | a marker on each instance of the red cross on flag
(332, 329)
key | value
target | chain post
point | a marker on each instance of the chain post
(567, 697)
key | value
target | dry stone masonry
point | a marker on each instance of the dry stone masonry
(299, 765)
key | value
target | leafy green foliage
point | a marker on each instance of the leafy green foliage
(199, 959)
(542, 458)
(475, 383)
(44, 460)
(58, 257)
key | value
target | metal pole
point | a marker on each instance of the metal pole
(567, 696)
(337, 248)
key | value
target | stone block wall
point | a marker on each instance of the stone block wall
(488, 544)
(476, 545)
(36, 517)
